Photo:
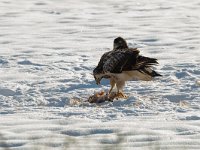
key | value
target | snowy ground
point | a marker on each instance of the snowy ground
(48, 50)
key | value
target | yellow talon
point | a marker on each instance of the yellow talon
(121, 95)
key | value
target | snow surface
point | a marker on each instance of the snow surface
(48, 50)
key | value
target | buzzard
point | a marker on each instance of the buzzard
(122, 64)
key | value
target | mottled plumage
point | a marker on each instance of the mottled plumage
(122, 64)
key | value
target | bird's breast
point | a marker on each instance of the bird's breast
(131, 75)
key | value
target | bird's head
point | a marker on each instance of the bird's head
(97, 75)
(119, 43)
(97, 79)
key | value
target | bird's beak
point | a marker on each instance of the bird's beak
(97, 81)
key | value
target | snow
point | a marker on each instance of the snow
(48, 50)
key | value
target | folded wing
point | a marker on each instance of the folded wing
(119, 61)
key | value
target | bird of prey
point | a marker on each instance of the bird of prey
(122, 64)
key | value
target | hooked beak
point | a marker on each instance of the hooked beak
(98, 81)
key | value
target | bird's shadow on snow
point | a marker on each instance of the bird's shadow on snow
(86, 85)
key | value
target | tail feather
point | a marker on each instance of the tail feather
(147, 60)
(145, 64)
(149, 72)
(155, 74)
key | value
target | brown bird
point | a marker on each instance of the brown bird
(123, 64)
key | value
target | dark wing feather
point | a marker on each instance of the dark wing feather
(104, 58)
(125, 60)
(144, 63)
(120, 61)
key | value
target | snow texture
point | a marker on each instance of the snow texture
(48, 50)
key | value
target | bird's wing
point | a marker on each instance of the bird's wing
(128, 60)
(104, 58)
(144, 64)
(120, 60)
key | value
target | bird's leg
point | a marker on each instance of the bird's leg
(111, 89)
(112, 84)
(120, 93)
